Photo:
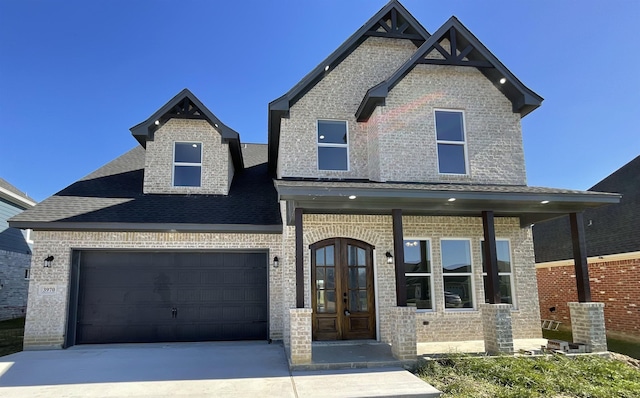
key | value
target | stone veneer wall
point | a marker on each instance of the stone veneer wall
(217, 172)
(406, 128)
(437, 325)
(47, 313)
(13, 285)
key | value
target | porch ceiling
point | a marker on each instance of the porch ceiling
(434, 199)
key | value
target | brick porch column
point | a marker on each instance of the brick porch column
(587, 325)
(300, 335)
(496, 327)
(403, 340)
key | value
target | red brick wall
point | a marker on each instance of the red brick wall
(614, 283)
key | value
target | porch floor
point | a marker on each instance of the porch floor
(350, 355)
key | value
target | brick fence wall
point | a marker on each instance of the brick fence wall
(614, 283)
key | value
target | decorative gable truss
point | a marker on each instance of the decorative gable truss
(453, 44)
(396, 25)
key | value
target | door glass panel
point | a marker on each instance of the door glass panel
(331, 278)
(321, 304)
(329, 256)
(353, 277)
(320, 256)
(320, 283)
(362, 296)
(330, 299)
(362, 277)
(361, 260)
(353, 300)
(351, 255)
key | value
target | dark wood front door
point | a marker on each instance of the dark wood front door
(342, 290)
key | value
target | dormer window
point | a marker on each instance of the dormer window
(451, 140)
(333, 148)
(187, 164)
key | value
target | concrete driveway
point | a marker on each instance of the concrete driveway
(212, 369)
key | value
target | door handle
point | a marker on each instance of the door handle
(174, 312)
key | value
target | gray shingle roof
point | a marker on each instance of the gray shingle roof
(610, 229)
(112, 197)
(6, 185)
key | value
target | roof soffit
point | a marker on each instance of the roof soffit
(464, 50)
(185, 105)
(392, 21)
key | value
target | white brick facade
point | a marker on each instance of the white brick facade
(217, 168)
(47, 313)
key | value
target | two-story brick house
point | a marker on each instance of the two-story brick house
(387, 168)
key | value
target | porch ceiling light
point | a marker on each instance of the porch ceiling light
(389, 257)
(503, 80)
(451, 200)
(157, 122)
(352, 197)
(544, 202)
(326, 68)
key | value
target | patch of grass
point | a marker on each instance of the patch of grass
(11, 336)
(549, 376)
(630, 348)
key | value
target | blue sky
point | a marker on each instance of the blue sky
(76, 75)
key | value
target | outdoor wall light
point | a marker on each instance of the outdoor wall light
(48, 261)
(276, 262)
(389, 257)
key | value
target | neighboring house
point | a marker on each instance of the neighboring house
(613, 248)
(386, 168)
(15, 253)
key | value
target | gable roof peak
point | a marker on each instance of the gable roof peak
(392, 21)
(185, 105)
(464, 49)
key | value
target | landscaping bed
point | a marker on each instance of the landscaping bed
(544, 376)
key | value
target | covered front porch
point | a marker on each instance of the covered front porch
(384, 218)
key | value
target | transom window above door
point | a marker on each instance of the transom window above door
(333, 146)
(451, 141)
(187, 164)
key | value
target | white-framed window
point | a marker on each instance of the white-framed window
(187, 164)
(333, 145)
(457, 273)
(451, 141)
(505, 271)
(28, 236)
(418, 273)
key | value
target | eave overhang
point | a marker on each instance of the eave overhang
(146, 227)
(16, 199)
(526, 203)
(410, 29)
(470, 52)
(143, 132)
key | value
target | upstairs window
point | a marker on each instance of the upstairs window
(333, 148)
(187, 164)
(450, 137)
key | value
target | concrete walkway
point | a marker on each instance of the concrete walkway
(212, 369)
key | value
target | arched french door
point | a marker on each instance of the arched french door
(342, 290)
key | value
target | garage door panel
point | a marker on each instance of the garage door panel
(131, 296)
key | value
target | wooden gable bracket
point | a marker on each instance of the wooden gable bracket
(393, 25)
(465, 57)
(184, 109)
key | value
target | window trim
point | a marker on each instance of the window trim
(174, 164)
(330, 145)
(430, 275)
(28, 238)
(470, 274)
(514, 302)
(463, 143)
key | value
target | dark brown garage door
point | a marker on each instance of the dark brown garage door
(169, 296)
